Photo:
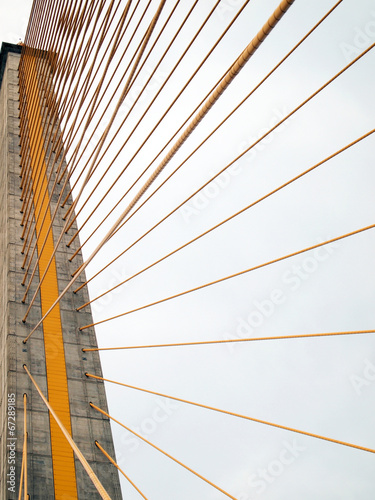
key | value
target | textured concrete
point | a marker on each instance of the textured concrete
(87, 425)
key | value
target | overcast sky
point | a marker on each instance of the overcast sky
(323, 386)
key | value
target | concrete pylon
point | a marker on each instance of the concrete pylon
(54, 358)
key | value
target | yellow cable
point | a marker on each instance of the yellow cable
(226, 341)
(25, 443)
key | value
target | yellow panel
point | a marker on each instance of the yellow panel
(57, 383)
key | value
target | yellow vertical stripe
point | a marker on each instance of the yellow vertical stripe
(57, 383)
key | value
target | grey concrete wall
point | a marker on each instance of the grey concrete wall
(87, 425)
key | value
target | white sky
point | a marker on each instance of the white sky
(323, 386)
